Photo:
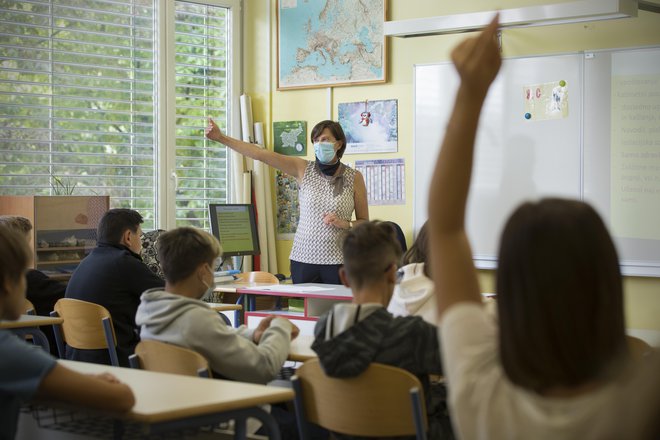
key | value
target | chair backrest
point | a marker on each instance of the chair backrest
(169, 358)
(28, 307)
(86, 326)
(260, 302)
(257, 277)
(374, 404)
(638, 348)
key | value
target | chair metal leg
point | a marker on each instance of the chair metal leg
(301, 417)
(134, 362)
(417, 413)
(110, 341)
(59, 338)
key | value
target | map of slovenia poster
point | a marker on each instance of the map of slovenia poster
(290, 138)
(330, 42)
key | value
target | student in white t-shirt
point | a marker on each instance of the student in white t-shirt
(554, 363)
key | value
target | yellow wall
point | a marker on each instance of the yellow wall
(260, 76)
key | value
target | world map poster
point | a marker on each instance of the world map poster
(325, 43)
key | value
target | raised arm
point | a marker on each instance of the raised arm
(102, 391)
(293, 166)
(477, 61)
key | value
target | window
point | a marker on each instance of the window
(111, 97)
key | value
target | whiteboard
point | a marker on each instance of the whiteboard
(606, 150)
(516, 159)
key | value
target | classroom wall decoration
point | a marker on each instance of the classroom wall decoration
(370, 126)
(385, 180)
(330, 42)
(290, 138)
(288, 209)
(602, 148)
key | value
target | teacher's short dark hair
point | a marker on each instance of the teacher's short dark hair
(559, 297)
(115, 222)
(335, 129)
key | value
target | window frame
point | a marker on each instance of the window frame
(166, 181)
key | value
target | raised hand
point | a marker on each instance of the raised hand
(212, 131)
(478, 59)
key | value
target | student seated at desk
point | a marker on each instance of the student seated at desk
(414, 293)
(178, 316)
(26, 370)
(352, 336)
(552, 365)
(42, 291)
(114, 276)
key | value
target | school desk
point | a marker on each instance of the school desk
(318, 299)
(301, 349)
(28, 325)
(166, 403)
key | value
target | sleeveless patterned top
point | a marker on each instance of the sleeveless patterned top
(318, 194)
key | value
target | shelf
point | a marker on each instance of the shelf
(65, 248)
(41, 263)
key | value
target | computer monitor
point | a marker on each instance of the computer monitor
(235, 226)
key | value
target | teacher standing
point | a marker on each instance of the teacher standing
(329, 192)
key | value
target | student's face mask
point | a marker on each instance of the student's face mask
(325, 151)
(209, 288)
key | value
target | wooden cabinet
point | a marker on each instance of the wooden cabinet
(63, 227)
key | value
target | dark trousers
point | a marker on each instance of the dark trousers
(315, 273)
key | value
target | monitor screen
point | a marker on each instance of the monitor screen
(235, 226)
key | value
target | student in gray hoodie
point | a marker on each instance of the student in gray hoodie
(352, 336)
(178, 316)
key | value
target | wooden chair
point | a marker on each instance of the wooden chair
(637, 347)
(29, 307)
(86, 326)
(169, 358)
(260, 302)
(373, 404)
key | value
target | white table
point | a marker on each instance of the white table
(170, 402)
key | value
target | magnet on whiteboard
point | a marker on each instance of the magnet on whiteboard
(528, 116)
(562, 83)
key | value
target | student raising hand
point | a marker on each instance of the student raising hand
(477, 61)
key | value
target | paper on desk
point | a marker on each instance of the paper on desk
(284, 288)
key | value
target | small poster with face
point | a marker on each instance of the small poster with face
(370, 126)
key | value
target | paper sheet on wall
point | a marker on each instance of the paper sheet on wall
(546, 101)
(385, 180)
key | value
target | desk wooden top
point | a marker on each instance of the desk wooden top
(301, 349)
(303, 290)
(224, 307)
(162, 397)
(30, 321)
(233, 287)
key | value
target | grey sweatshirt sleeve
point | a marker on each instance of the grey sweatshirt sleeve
(230, 352)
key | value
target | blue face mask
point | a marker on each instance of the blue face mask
(325, 151)
(208, 293)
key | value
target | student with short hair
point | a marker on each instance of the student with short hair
(177, 315)
(553, 364)
(27, 371)
(352, 336)
(42, 291)
(114, 276)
